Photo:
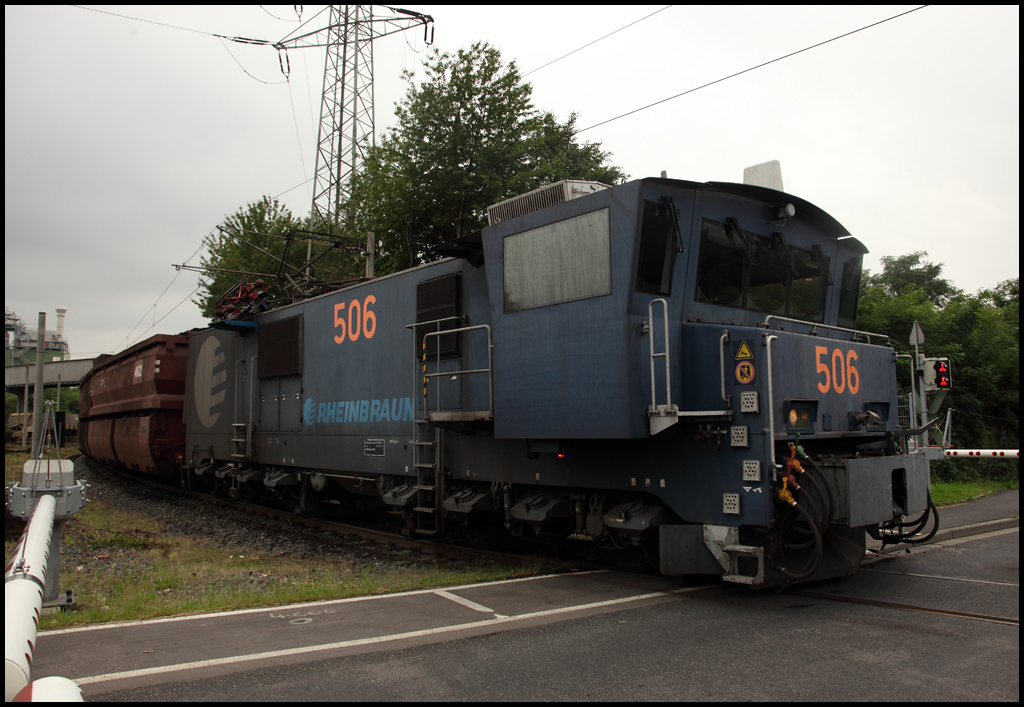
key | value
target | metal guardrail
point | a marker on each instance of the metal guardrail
(814, 327)
(437, 388)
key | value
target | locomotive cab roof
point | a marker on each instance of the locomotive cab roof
(470, 247)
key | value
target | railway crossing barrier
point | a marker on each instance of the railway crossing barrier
(47, 494)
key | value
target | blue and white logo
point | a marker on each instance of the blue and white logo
(309, 411)
(379, 410)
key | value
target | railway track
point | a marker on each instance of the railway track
(1006, 621)
(374, 535)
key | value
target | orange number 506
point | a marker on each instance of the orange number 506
(841, 375)
(360, 320)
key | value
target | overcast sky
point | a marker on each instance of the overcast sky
(127, 142)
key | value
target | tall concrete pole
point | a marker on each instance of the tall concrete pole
(24, 411)
(37, 402)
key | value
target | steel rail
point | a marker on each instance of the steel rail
(1006, 621)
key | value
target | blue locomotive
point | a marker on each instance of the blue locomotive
(666, 370)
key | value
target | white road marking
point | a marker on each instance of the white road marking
(289, 607)
(372, 640)
(465, 602)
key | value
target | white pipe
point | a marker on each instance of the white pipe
(771, 400)
(24, 581)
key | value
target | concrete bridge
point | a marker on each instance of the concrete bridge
(67, 374)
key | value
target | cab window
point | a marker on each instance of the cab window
(759, 273)
(657, 249)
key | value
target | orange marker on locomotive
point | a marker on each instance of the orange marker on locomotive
(668, 372)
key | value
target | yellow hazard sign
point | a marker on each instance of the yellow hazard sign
(744, 351)
(744, 372)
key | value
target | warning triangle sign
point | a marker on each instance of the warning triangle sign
(744, 351)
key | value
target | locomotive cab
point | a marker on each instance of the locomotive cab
(710, 329)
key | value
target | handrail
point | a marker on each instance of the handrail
(768, 339)
(248, 429)
(665, 355)
(460, 317)
(438, 374)
(722, 341)
(913, 398)
(234, 412)
(814, 326)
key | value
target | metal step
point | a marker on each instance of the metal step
(426, 466)
(424, 531)
(460, 416)
(424, 488)
(424, 509)
(735, 552)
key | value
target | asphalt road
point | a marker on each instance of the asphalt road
(733, 645)
(600, 636)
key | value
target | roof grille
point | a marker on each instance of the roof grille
(557, 193)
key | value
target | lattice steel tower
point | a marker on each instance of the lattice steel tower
(346, 110)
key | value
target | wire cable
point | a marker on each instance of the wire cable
(268, 83)
(151, 22)
(292, 188)
(592, 43)
(752, 68)
(157, 301)
(275, 16)
(298, 140)
(198, 287)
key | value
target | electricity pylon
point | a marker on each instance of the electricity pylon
(346, 109)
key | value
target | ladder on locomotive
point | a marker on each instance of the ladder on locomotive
(428, 438)
(428, 461)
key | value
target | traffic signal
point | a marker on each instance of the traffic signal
(937, 374)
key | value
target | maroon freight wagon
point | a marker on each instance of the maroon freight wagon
(130, 409)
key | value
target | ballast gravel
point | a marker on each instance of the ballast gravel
(237, 529)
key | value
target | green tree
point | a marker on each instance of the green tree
(979, 333)
(467, 137)
(901, 273)
(251, 241)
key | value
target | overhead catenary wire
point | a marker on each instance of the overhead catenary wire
(139, 338)
(752, 68)
(533, 71)
(152, 308)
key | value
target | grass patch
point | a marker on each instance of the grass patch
(123, 566)
(173, 575)
(946, 493)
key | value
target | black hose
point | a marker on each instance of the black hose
(816, 559)
(808, 498)
(833, 506)
(932, 510)
(826, 502)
